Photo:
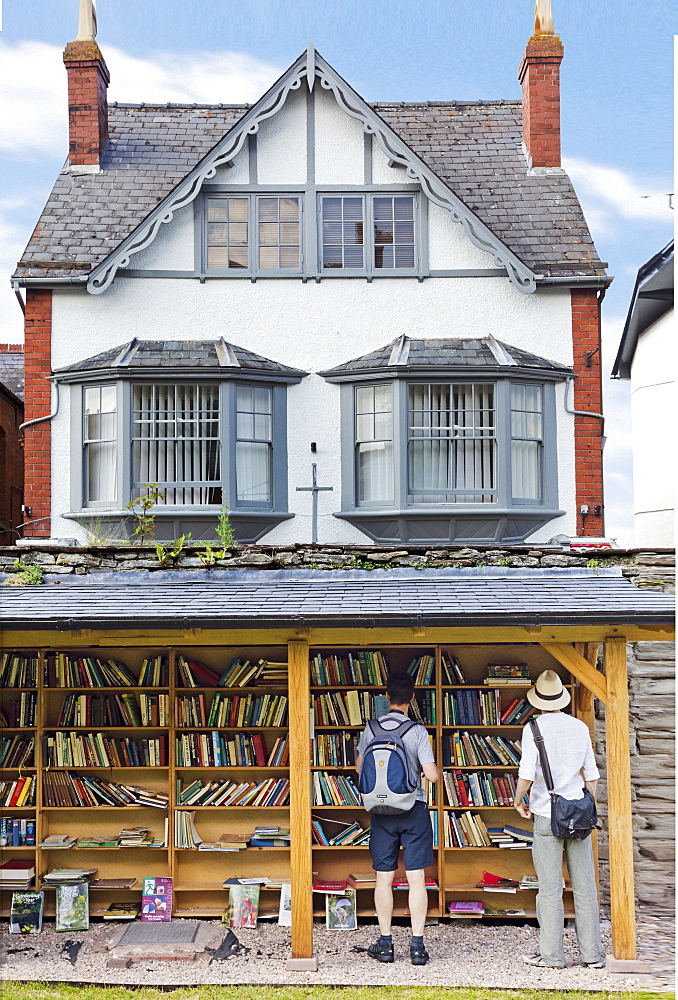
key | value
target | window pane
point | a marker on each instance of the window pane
(289, 209)
(278, 227)
(253, 471)
(254, 444)
(100, 443)
(237, 209)
(525, 469)
(374, 434)
(526, 446)
(342, 233)
(227, 233)
(175, 442)
(451, 449)
(268, 258)
(289, 257)
(393, 229)
(237, 258)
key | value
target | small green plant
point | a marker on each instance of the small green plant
(505, 561)
(25, 575)
(224, 529)
(166, 554)
(209, 556)
(592, 563)
(141, 508)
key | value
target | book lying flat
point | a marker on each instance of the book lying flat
(122, 911)
(113, 883)
(465, 906)
(519, 834)
(329, 886)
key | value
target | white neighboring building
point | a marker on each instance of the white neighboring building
(646, 356)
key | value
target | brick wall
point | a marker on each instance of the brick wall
(88, 80)
(539, 75)
(38, 403)
(588, 395)
(11, 465)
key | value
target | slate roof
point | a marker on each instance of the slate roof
(652, 297)
(217, 354)
(239, 599)
(12, 372)
(446, 352)
(475, 147)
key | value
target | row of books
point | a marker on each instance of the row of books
(17, 832)
(17, 670)
(421, 669)
(232, 711)
(464, 749)
(503, 671)
(154, 672)
(63, 788)
(18, 793)
(271, 792)
(478, 788)
(70, 670)
(17, 751)
(17, 874)
(335, 749)
(340, 835)
(471, 708)
(364, 667)
(238, 750)
(352, 708)
(452, 670)
(239, 673)
(20, 712)
(465, 830)
(114, 710)
(334, 790)
(99, 750)
(512, 837)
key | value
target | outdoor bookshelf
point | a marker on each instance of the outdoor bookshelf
(198, 875)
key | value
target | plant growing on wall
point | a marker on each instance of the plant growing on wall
(141, 508)
(224, 528)
(25, 575)
(166, 554)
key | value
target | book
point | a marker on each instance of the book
(519, 834)
(122, 911)
(58, 842)
(362, 880)
(465, 906)
(72, 906)
(340, 911)
(113, 883)
(335, 887)
(243, 904)
(26, 913)
(156, 900)
(285, 907)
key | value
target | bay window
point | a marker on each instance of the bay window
(100, 443)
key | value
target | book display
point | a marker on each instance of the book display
(195, 741)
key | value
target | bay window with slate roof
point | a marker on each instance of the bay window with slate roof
(204, 423)
(449, 441)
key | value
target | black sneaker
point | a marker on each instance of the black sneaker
(418, 954)
(382, 952)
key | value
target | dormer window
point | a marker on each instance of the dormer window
(386, 244)
(252, 234)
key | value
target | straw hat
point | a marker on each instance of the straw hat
(548, 693)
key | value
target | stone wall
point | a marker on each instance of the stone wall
(650, 664)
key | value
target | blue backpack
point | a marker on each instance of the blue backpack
(386, 782)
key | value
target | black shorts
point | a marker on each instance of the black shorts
(410, 830)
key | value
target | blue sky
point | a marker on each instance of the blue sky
(616, 108)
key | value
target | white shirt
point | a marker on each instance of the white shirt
(568, 747)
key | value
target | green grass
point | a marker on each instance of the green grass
(43, 991)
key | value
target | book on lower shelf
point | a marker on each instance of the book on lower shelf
(113, 883)
(348, 835)
(271, 792)
(26, 913)
(464, 749)
(122, 911)
(156, 900)
(64, 788)
(72, 906)
(17, 874)
(243, 906)
(465, 906)
(340, 910)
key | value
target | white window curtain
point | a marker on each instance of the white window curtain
(526, 442)
(254, 444)
(100, 443)
(452, 443)
(176, 442)
(374, 443)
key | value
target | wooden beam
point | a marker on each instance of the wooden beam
(577, 665)
(353, 637)
(300, 800)
(583, 696)
(620, 816)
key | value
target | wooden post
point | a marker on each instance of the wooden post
(620, 817)
(300, 806)
(584, 696)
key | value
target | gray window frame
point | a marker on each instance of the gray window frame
(369, 270)
(227, 418)
(252, 270)
(503, 498)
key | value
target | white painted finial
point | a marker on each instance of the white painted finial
(310, 65)
(87, 21)
(543, 18)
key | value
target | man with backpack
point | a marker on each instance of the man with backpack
(392, 753)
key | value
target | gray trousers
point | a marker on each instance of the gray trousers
(547, 854)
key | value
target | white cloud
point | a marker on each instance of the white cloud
(12, 241)
(33, 94)
(609, 196)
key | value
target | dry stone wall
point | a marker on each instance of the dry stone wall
(650, 664)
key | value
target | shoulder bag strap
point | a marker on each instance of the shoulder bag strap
(545, 768)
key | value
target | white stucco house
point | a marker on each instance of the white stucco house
(647, 357)
(405, 295)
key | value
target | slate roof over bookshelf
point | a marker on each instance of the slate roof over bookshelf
(174, 354)
(269, 599)
(446, 352)
(474, 147)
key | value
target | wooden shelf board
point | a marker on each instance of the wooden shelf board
(127, 847)
(230, 767)
(84, 689)
(107, 767)
(216, 888)
(105, 729)
(476, 808)
(229, 729)
(194, 850)
(17, 768)
(230, 691)
(92, 808)
(230, 807)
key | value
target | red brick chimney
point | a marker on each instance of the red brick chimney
(88, 80)
(539, 75)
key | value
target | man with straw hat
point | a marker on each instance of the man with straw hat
(570, 756)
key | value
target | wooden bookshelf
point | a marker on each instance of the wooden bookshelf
(198, 875)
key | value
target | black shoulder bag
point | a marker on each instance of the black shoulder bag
(571, 819)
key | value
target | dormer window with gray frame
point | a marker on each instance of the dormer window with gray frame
(248, 234)
(448, 441)
(203, 420)
(372, 233)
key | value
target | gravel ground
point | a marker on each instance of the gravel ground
(461, 955)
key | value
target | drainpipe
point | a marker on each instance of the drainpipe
(50, 416)
(584, 413)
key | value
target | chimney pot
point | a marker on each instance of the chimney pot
(88, 80)
(539, 75)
